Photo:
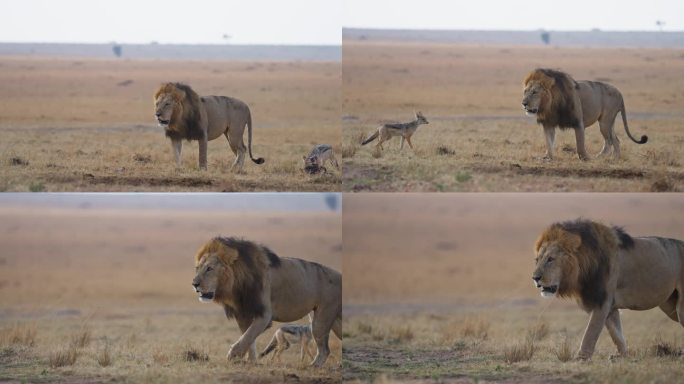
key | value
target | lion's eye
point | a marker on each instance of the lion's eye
(549, 260)
(209, 269)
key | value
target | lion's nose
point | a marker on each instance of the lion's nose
(536, 278)
(158, 114)
(524, 103)
(194, 284)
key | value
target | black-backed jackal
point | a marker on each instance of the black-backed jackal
(405, 130)
(287, 335)
(315, 161)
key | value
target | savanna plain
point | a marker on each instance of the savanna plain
(440, 290)
(87, 124)
(479, 138)
(104, 295)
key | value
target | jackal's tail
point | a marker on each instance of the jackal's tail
(270, 347)
(370, 138)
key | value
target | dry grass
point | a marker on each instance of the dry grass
(521, 351)
(95, 136)
(194, 354)
(563, 350)
(477, 126)
(104, 357)
(82, 338)
(539, 331)
(19, 334)
(477, 328)
(63, 356)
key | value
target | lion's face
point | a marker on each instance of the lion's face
(548, 274)
(164, 105)
(533, 96)
(211, 274)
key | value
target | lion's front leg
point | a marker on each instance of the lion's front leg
(597, 321)
(203, 152)
(247, 342)
(579, 139)
(615, 329)
(177, 145)
(550, 135)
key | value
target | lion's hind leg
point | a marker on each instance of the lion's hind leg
(239, 150)
(670, 306)
(610, 140)
(323, 320)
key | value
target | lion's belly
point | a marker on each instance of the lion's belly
(648, 276)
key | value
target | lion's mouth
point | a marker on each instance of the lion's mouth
(163, 122)
(549, 290)
(531, 111)
(206, 297)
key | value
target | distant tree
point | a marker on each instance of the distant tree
(546, 37)
(116, 48)
(332, 201)
(660, 24)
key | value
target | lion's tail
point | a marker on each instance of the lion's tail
(623, 112)
(371, 138)
(270, 347)
(259, 160)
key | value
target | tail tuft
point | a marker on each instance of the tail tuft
(643, 140)
(259, 160)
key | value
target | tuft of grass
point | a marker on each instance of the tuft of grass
(349, 150)
(397, 335)
(520, 352)
(104, 357)
(477, 328)
(18, 161)
(82, 338)
(37, 187)
(364, 328)
(19, 335)
(664, 349)
(63, 357)
(563, 350)
(194, 354)
(140, 158)
(160, 357)
(539, 331)
(463, 176)
(443, 150)
(663, 184)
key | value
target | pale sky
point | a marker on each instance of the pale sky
(576, 15)
(301, 22)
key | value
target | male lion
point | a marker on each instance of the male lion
(605, 270)
(256, 287)
(559, 101)
(185, 115)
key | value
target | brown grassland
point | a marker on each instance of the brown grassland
(440, 290)
(100, 295)
(479, 139)
(88, 124)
